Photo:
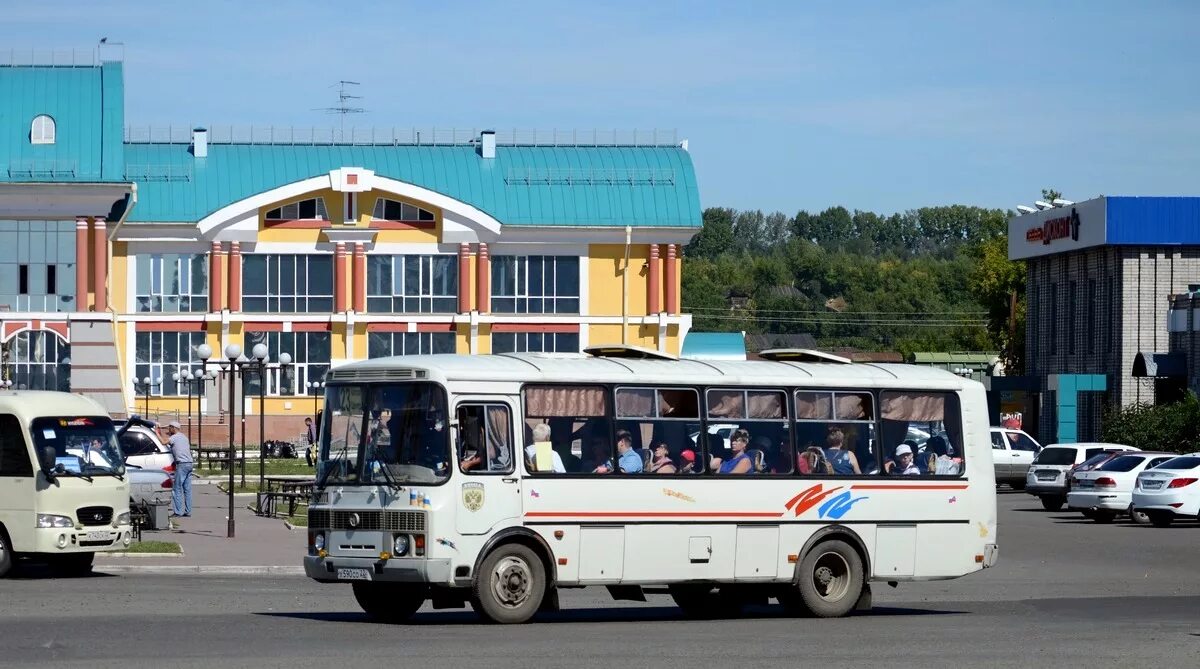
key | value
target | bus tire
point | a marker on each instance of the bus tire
(510, 585)
(73, 564)
(6, 554)
(389, 602)
(831, 579)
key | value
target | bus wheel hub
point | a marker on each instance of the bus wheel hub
(512, 581)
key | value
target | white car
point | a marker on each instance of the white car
(1048, 475)
(1106, 492)
(1170, 490)
(1012, 453)
(143, 448)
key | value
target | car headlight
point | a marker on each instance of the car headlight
(400, 545)
(319, 542)
(45, 520)
(123, 518)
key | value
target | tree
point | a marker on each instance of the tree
(1050, 195)
(998, 284)
(716, 237)
(1171, 427)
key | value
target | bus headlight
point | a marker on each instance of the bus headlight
(45, 520)
(319, 541)
(400, 545)
(123, 519)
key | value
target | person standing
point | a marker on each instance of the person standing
(181, 450)
(310, 435)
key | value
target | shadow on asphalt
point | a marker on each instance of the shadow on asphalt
(589, 615)
(34, 571)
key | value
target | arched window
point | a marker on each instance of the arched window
(304, 210)
(391, 210)
(42, 130)
(38, 360)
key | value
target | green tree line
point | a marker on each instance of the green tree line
(929, 279)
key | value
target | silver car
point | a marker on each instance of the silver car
(1012, 453)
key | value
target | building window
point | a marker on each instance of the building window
(287, 283)
(1072, 317)
(384, 344)
(169, 282)
(37, 266)
(158, 355)
(535, 284)
(42, 130)
(304, 210)
(1054, 315)
(310, 353)
(1091, 316)
(412, 284)
(535, 342)
(391, 210)
(38, 360)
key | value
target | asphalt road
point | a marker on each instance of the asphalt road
(1066, 591)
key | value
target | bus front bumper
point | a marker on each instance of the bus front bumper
(334, 569)
(85, 540)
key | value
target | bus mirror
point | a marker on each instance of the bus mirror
(47, 459)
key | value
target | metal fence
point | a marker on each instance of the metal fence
(60, 57)
(394, 136)
(587, 176)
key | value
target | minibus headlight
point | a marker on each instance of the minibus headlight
(400, 545)
(319, 541)
(46, 520)
(123, 519)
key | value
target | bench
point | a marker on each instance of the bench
(292, 491)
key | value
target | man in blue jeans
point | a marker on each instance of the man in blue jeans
(181, 450)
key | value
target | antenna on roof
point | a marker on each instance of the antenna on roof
(342, 108)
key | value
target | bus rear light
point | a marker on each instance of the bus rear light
(1179, 483)
(419, 542)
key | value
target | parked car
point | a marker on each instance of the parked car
(1170, 490)
(1049, 475)
(1012, 453)
(149, 486)
(143, 448)
(1106, 491)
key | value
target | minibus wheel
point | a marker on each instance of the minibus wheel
(389, 602)
(831, 579)
(6, 554)
(509, 585)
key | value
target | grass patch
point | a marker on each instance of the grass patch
(250, 487)
(274, 467)
(154, 547)
(298, 520)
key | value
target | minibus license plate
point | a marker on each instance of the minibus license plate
(97, 536)
(354, 574)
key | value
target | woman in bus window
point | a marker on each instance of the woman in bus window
(662, 463)
(740, 462)
(843, 462)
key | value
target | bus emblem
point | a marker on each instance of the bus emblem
(354, 520)
(472, 496)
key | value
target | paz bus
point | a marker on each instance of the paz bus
(63, 492)
(497, 480)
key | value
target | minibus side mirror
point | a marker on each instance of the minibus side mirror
(47, 458)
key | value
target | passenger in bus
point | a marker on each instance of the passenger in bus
(541, 432)
(662, 463)
(687, 461)
(903, 464)
(812, 461)
(843, 462)
(740, 463)
(598, 462)
(627, 459)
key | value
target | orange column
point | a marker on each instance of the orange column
(464, 278)
(81, 263)
(655, 285)
(100, 263)
(360, 278)
(216, 267)
(339, 277)
(672, 281)
(483, 281)
(235, 276)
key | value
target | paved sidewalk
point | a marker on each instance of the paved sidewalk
(260, 545)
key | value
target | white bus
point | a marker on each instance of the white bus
(63, 493)
(496, 480)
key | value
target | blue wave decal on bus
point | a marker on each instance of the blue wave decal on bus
(837, 507)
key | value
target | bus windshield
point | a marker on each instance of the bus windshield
(83, 445)
(382, 434)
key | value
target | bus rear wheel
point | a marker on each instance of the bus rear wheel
(510, 585)
(6, 555)
(389, 602)
(830, 579)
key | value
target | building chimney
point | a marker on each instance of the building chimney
(200, 143)
(487, 144)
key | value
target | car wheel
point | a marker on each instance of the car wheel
(1138, 517)
(831, 579)
(1161, 518)
(6, 555)
(1052, 502)
(389, 602)
(510, 585)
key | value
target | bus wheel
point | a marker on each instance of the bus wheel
(389, 602)
(73, 564)
(510, 585)
(831, 579)
(6, 555)
(706, 602)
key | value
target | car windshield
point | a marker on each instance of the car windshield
(1122, 463)
(1056, 456)
(384, 434)
(1094, 460)
(83, 445)
(1182, 462)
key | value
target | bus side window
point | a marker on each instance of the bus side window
(930, 424)
(579, 426)
(835, 433)
(663, 424)
(485, 442)
(763, 414)
(14, 456)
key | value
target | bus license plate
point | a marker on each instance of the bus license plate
(354, 574)
(96, 536)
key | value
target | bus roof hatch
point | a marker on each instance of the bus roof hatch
(627, 351)
(802, 355)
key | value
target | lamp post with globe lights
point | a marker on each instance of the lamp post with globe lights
(145, 385)
(232, 353)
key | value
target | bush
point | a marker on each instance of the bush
(1168, 427)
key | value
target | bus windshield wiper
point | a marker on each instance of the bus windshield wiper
(387, 474)
(320, 487)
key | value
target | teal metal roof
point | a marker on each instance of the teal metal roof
(87, 105)
(714, 346)
(522, 185)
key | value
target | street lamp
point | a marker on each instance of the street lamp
(316, 388)
(145, 385)
(204, 352)
(232, 353)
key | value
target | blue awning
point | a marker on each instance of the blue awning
(714, 346)
(1159, 365)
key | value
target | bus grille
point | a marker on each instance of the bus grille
(94, 515)
(380, 521)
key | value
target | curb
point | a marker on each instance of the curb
(201, 570)
(125, 554)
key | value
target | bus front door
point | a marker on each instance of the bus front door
(490, 487)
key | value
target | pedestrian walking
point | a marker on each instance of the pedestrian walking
(181, 450)
(310, 436)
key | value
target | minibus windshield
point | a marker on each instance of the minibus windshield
(83, 446)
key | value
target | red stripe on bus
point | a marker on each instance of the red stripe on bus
(908, 487)
(651, 514)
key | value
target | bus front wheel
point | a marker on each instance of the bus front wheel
(510, 585)
(831, 579)
(389, 602)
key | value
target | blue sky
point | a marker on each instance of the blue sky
(792, 105)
